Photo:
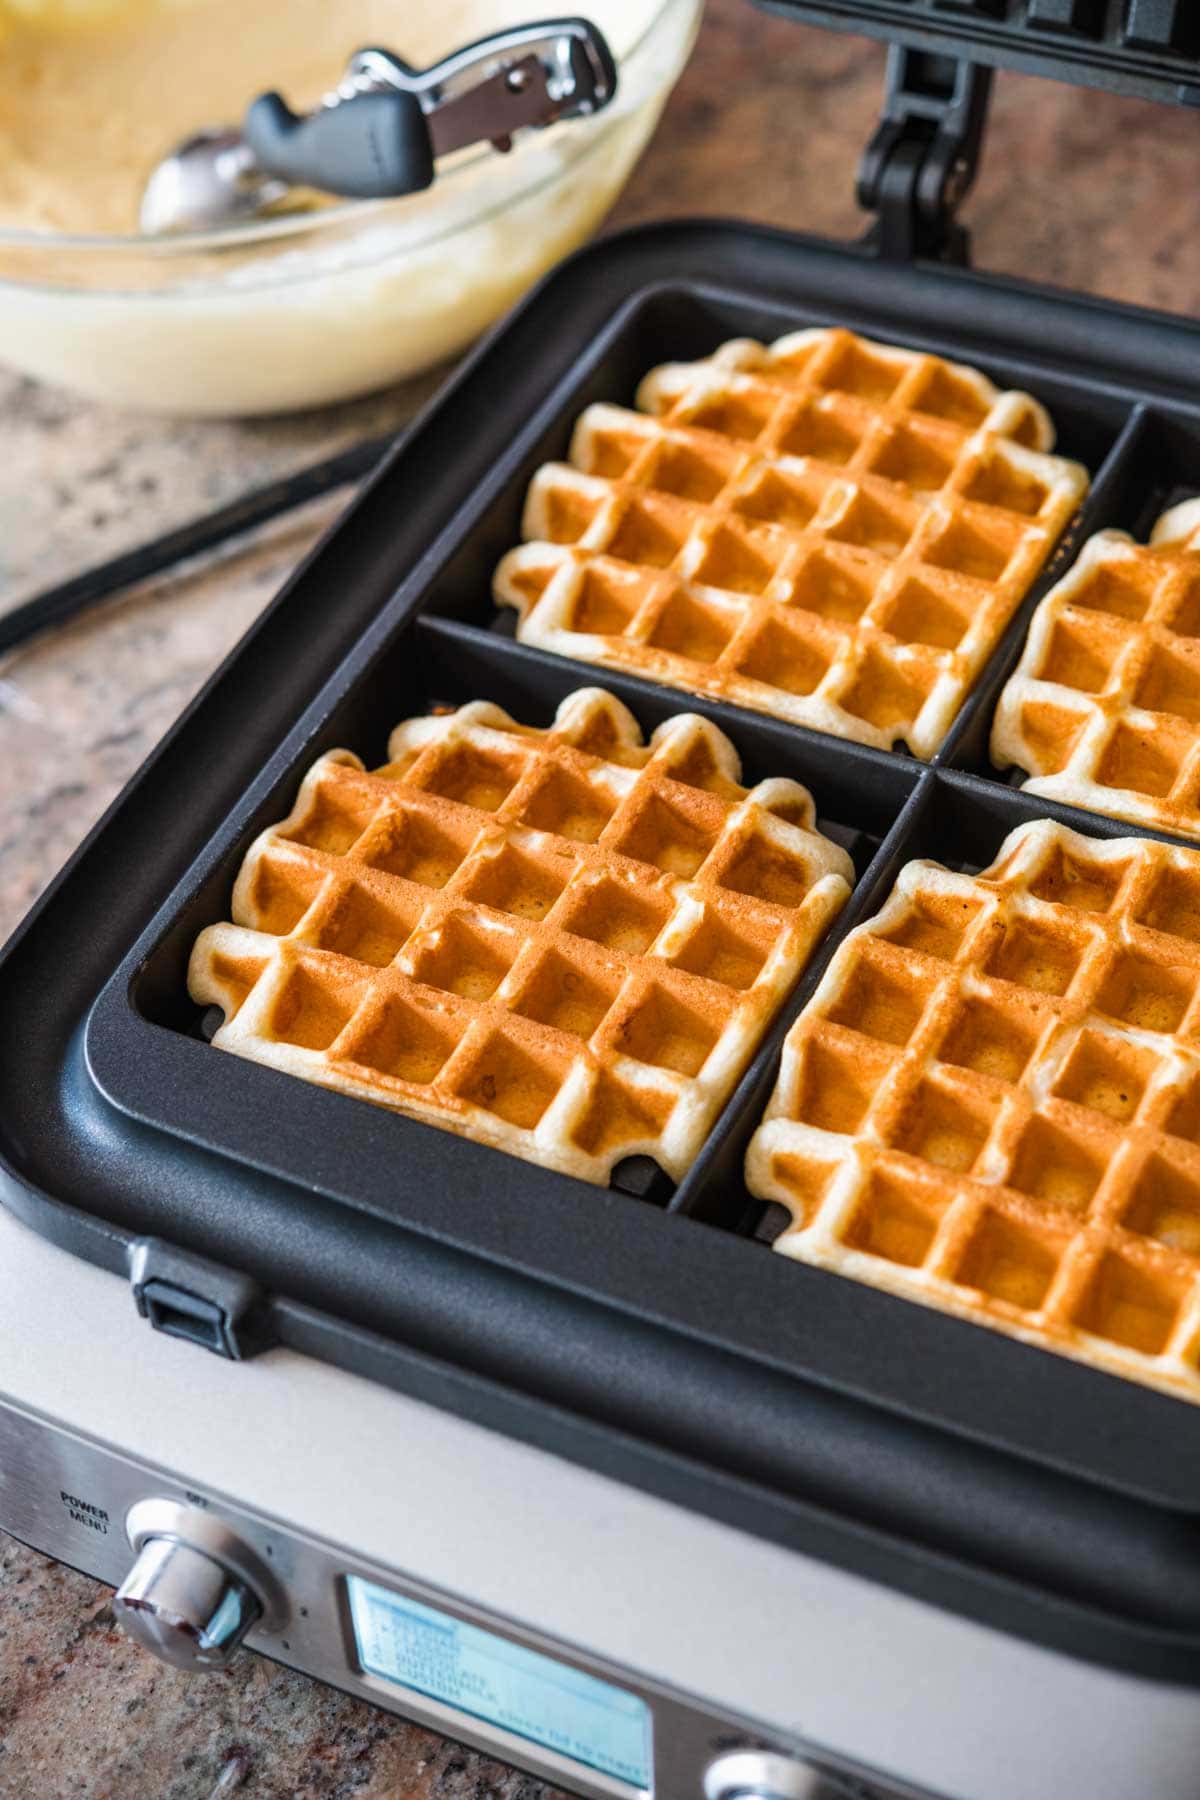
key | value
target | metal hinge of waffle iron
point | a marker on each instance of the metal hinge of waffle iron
(922, 160)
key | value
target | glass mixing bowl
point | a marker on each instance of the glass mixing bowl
(321, 306)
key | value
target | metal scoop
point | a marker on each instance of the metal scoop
(380, 132)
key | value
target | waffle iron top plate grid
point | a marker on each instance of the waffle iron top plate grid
(697, 1365)
(1146, 47)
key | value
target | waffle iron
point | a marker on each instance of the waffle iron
(588, 1477)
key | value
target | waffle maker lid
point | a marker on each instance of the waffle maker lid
(1081, 1537)
(1145, 47)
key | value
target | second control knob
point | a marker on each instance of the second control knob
(763, 1775)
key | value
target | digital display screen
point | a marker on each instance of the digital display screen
(415, 1646)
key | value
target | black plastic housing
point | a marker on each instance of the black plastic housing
(1150, 48)
(645, 1333)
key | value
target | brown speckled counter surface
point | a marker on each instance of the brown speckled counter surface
(1078, 189)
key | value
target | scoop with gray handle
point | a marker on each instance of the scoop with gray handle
(380, 133)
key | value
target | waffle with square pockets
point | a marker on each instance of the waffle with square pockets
(992, 1102)
(566, 943)
(830, 530)
(1103, 710)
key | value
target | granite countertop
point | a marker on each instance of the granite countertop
(1086, 190)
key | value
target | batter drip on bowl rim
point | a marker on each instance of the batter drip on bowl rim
(1103, 711)
(992, 1102)
(830, 530)
(566, 943)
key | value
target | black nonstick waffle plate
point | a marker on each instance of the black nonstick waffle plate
(642, 1330)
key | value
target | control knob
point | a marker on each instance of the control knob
(764, 1775)
(185, 1606)
(194, 1590)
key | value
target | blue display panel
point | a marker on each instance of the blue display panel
(416, 1646)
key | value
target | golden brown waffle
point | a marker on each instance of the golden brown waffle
(992, 1102)
(1104, 708)
(566, 943)
(830, 530)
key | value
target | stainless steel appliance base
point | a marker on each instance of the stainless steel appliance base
(297, 1478)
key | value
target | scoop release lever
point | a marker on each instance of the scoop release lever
(380, 132)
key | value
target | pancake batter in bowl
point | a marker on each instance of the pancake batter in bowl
(95, 94)
(293, 311)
